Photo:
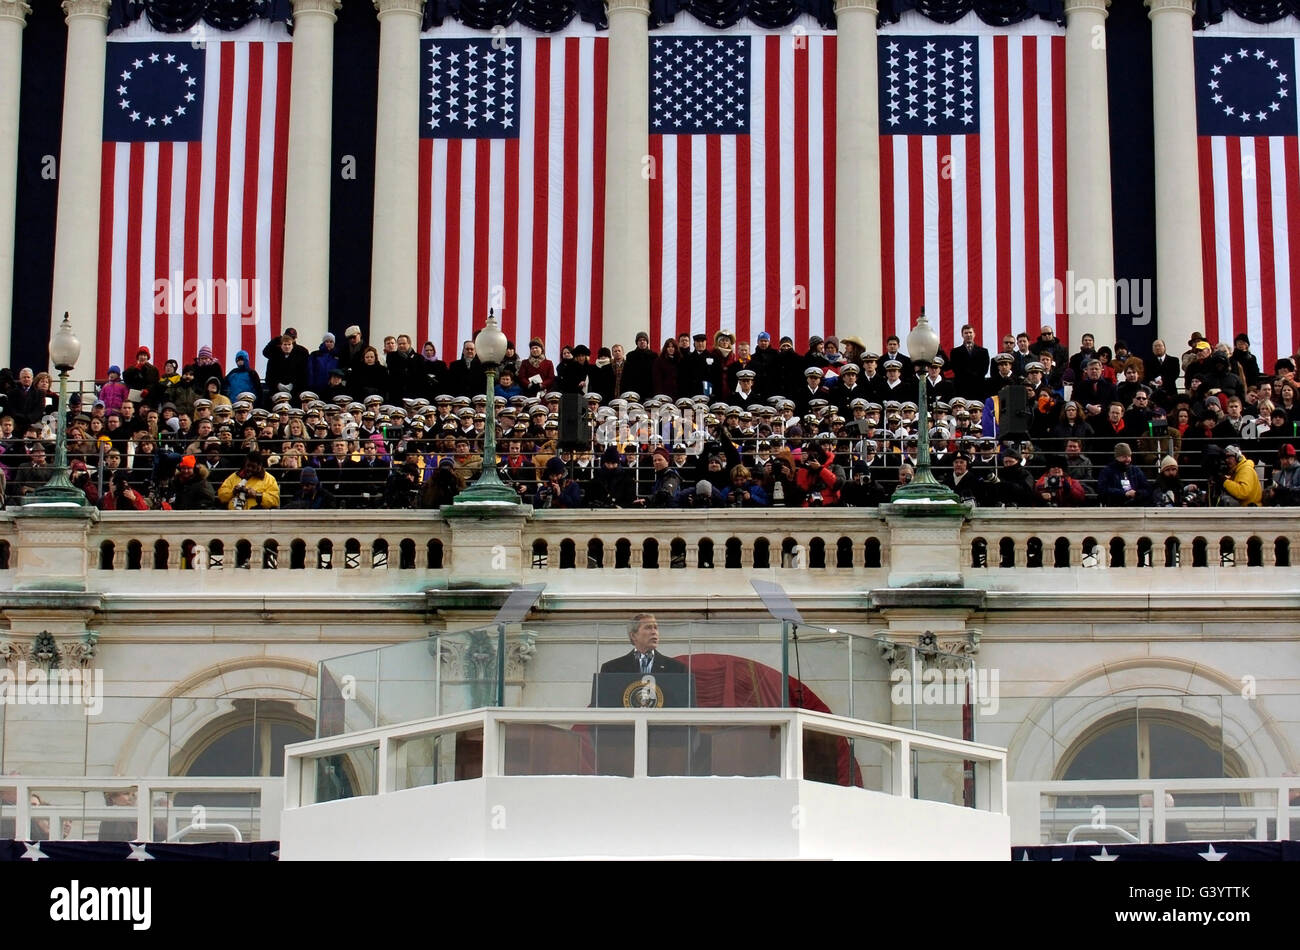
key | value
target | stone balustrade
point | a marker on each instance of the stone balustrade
(833, 549)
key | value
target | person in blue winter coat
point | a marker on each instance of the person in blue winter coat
(243, 378)
(321, 363)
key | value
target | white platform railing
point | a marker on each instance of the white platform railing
(1263, 810)
(900, 745)
(154, 801)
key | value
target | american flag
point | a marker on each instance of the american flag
(742, 187)
(192, 198)
(972, 180)
(1250, 190)
(512, 189)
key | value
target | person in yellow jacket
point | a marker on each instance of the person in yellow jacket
(1241, 483)
(250, 487)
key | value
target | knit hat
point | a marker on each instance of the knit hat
(308, 476)
(610, 456)
(115, 369)
(765, 335)
(144, 350)
(704, 488)
(205, 352)
(1122, 449)
(327, 338)
(1167, 461)
(555, 466)
(663, 453)
(353, 330)
(187, 461)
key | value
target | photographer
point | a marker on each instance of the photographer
(1056, 489)
(1285, 488)
(862, 490)
(193, 491)
(1171, 491)
(744, 490)
(250, 487)
(611, 485)
(1241, 486)
(557, 489)
(667, 483)
(1121, 483)
(819, 477)
(122, 497)
(402, 489)
(79, 475)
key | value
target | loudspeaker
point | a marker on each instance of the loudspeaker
(1014, 412)
(575, 429)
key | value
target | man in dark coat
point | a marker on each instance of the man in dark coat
(969, 363)
(644, 657)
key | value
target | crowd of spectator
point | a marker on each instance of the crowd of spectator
(698, 422)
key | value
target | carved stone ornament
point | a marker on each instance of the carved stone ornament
(13, 652)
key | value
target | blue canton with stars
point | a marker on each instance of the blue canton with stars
(929, 85)
(699, 85)
(470, 89)
(1245, 86)
(153, 92)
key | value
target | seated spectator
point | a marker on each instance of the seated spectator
(1241, 486)
(961, 480)
(1121, 483)
(1285, 488)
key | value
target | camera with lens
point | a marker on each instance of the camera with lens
(1053, 482)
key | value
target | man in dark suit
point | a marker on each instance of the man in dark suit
(970, 365)
(644, 657)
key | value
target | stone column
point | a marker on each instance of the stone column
(857, 175)
(1179, 284)
(76, 238)
(307, 192)
(393, 262)
(13, 17)
(627, 189)
(1087, 137)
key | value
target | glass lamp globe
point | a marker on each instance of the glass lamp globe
(490, 344)
(922, 342)
(64, 347)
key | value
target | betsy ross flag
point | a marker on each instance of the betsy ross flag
(1250, 191)
(972, 180)
(742, 186)
(192, 198)
(511, 193)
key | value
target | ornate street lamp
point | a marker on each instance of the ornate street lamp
(64, 350)
(490, 345)
(922, 345)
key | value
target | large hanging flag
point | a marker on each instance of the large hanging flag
(512, 193)
(1250, 191)
(192, 197)
(972, 181)
(742, 184)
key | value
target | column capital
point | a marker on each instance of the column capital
(95, 9)
(852, 6)
(383, 7)
(14, 10)
(627, 6)
(325, 7)
(1085, 6)
(1171, 6)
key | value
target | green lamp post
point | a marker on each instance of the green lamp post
(922, 345)
(490, 345)
(64, 350)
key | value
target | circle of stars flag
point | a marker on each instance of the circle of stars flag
(192, 197)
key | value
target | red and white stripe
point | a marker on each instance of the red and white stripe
(973, 227)
(742, 227)
(207, 211)
(518, 225)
